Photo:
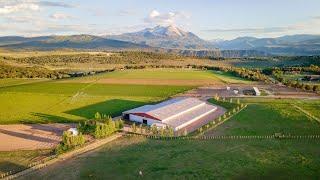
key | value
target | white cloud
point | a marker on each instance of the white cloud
(59, 16)
(154, 14)
(14, 6)
(170, 18)
(7, 9)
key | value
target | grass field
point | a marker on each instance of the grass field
(225, 159)
(19, 160)
(212, 159)
(163, 77)
(62, 102)
(14, 82)
(269, 116)
(80, 98)
(297, 77)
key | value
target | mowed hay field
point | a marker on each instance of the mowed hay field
(14, 82)
(70, 102)
(193, 159)
(163, 77)
(76, 99)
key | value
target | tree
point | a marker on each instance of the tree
(185, 132)
(171, 132)
(121, 124)
(216, 97)
(97, 115)
(154, 130)
(308, 87)
(134, 127)
(238, 101)
(141, 129)
(200, 130)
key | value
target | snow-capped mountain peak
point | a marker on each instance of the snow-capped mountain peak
(165, 37)
(165, 31)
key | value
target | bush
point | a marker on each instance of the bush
(69, 142)
(104, 129)
(101, 127)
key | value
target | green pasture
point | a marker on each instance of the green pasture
(14, 82)
(265, 116)
(166, 74)
(16, 161)
(190, 159)
(297, 77)
(70, 102)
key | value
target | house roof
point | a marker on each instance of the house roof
(168, 109)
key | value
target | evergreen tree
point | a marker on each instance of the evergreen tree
(97, 115)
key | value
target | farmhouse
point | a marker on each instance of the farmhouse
(176, 113)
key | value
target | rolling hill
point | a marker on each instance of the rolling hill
(72, 42)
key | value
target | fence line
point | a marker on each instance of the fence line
(225, 137)
(219, 122)
(54, 159)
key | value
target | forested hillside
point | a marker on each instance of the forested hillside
(8, 71)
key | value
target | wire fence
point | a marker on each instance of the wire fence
(250, 137)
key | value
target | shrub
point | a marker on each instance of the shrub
(97, 115)
(100, 128)
(134, 127)
(185, 132)
(69, 142)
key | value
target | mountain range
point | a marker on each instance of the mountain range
(172, 39)
(169, 37)
(71, 41)
(285, 45)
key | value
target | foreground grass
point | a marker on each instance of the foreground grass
(124, 158)
(270, 116)
(19, 160)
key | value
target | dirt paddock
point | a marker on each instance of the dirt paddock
(31, 136)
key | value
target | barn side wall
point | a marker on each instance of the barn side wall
(139, 119)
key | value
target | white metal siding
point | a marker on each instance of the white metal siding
(140, 119)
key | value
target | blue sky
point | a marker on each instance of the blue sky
(210, 19)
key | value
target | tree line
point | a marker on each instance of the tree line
(8, 71)
(126, 57)
(278, 73)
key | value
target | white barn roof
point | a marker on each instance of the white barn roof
(169, 109)
(176, 112)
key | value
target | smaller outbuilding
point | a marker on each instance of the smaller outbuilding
(256, 91)
(73, 131)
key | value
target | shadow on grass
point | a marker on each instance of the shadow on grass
(113, 107)
(46, 118)
(27, 136)
(7, 166)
